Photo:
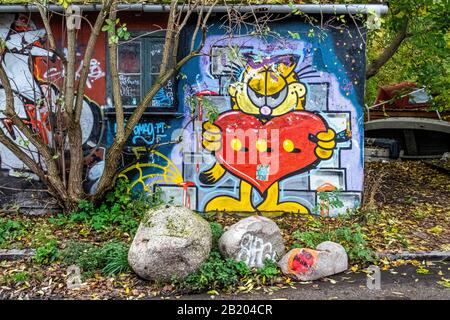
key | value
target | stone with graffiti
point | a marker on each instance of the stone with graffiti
(308, 264)
(252, 240)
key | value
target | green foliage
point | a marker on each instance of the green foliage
(121, 208)
(269, 270)
(210, 110)
(47, 253)
(351, 238)
(111, 258)
(10, 230)
(310, 238)
(115, 258)
(14, 278)
(121, 33)
(216, 273)
(217, 231)
(424, 57)
(20, 276)
(328, 200)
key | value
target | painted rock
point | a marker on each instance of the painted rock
(171, 242)
(307, 264)
(252, 240)
(279, 147)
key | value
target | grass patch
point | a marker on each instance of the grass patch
(121, 209)
(350, 237)
(109, 259)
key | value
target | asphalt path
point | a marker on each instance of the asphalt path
(400, 283)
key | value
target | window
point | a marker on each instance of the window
(139, 63)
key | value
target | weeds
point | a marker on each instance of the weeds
(121, 208)
(350, 237)
(47, 253)
(111, 258)
(10, 230)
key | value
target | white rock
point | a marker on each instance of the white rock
(252, 240)
(171, 242)
(307, 264)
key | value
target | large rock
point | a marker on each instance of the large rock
(171, 242)
(307, 264)
(252, 240)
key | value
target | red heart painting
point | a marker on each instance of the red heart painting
(263, 153)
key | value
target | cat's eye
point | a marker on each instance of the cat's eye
(276, 99)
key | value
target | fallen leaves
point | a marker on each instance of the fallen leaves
(437, 230)
(412, 214)
(422, 270)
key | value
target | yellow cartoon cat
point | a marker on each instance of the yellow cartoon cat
(265, 91)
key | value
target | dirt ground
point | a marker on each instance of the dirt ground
(407, 208)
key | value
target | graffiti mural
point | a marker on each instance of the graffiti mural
(289, 124)
(282, 138)
(34, 77)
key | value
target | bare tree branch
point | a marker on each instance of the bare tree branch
(373, 68)
(115, 83)
(90, 47)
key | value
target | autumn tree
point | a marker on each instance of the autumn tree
(412, 44)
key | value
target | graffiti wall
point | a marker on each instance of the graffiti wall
(36, 75)
(290, 122)
(287, 126)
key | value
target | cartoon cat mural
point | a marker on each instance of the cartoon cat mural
(268, 124)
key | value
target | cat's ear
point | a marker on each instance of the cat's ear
(287, 65)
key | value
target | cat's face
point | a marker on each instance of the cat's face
(268, 90)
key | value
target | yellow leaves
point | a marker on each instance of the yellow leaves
(401, 14)
(84, 232)
(354, 268)
(415, 263)
(213, 292)
(247, 287)
(422, 270)
(64, 3)
(444, 282)
(423, 11)
(436, 230)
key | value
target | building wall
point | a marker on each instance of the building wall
(326, 73)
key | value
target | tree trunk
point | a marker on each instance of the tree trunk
(380, 61)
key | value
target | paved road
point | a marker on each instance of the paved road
(396, 284)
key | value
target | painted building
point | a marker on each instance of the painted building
(289, 126)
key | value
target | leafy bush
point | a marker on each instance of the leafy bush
(217, 231)
(216, 273)
(112, 258)
(47, 253)
(10, 229)
(351, 238)
(121, 208)
(270, 270)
